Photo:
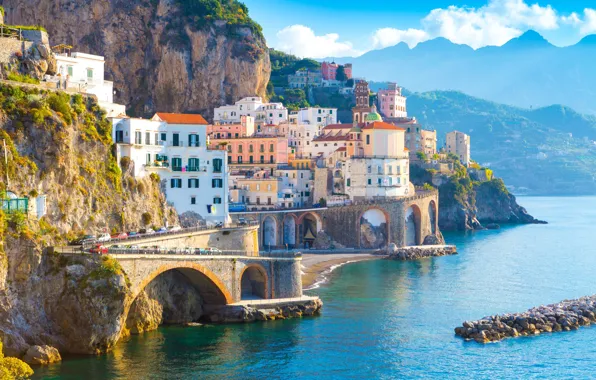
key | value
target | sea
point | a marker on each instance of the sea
(388, 319)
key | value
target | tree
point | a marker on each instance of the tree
(421, 156)
(340, 74)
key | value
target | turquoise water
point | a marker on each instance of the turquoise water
(387, 319)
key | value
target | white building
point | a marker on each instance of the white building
(383, 169)
(300, 138)
(321, 117)
(84, 73)
(299, 183)
(175, 147)
(458, 143)
(263, 113)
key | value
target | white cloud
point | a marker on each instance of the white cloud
(302, 41)
(492, 24)
(573, 19)
(587, 25)
(385, 37)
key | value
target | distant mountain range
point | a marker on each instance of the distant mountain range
(526, 72)
(545, 151)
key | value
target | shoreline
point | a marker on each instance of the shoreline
(317, 267)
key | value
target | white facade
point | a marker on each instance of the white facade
(299, 183)
(321, 117)
(268, 113)
(300, 138)
(375, 177)
(194, 177)
(458, 143)
(85, 73)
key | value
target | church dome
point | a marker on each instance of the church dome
(373, 116)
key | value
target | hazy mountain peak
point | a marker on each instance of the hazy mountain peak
(588, 40)
(529, 39)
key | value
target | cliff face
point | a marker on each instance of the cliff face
(60, 147)
(157, 56)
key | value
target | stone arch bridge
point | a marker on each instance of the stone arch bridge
(367, 225)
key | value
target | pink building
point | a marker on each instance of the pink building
(391, 103)
(329, 70)
(246, 128)
(270, 151)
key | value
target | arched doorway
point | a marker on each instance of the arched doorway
(311, 225)
(269, 232)
(290, 231)
(253, 283)
(432, 213)
(373, 229)
(412, 225)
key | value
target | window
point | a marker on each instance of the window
(348, 182)
(217, 183)
(217, 165)
(229, 148)
(147, 138)
(217, 201)
(193, 183)
(379, 169)
(269, 187)
(367, 139)
(369, 169)
(138, 138)
(90, 74)
(379, 181)
(270, 147)
(193, 200)
(370, 181)
(239, 148)
(176, 183)
(176, 139)
(177, 164)
(250, 159)
(148, 158)
(271, 159)
(236, 135)
(69, 70)
(156, 138)
(229, 160)
(250, 148)
(262, 159)
(262, 148)
(239, 159)
(318, 119)
(193, 140)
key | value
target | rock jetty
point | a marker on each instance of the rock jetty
(421, 251)
(564, 316)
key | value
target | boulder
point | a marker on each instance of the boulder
(42, 355)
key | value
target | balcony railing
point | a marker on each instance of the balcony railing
(176, 168)
(196, 168)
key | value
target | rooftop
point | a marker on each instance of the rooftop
(382, 125)
(180, 118)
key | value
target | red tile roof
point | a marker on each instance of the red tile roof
(341, 126)
(181, 118)
(383, 125)
(342, 149)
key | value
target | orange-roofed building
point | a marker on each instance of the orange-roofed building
(180, 118)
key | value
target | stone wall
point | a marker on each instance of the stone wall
(415, 253)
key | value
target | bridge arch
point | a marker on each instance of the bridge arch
(374, 228)
(254, 282)
(269, 232)
(432, 214)
(310, 225)
(289, 230)
(210, 287)
(413, 225)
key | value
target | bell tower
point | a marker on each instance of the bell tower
(362, 108)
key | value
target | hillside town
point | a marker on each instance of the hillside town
(259, 156)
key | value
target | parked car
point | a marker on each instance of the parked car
(218, 225)
(104, 238)
(132, 233)
(121, 235)
(162, 230)
(146, 231)
(117, 249)
(216, 251)
(242, 222)
(186, 251)
(87, 239)
(175, 228)
(99, 249)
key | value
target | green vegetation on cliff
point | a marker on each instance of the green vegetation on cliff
(13, 368)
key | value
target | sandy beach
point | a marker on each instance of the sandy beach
(316, 266)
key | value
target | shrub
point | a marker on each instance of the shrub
(428, 186)
(421, 156)
(155, 177)
(60, 102)
(22, 78)
(146, 218)
(125, 163)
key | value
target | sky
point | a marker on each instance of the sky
(342, 28)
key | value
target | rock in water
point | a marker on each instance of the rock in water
(42, 355)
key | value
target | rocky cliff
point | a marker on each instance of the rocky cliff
(468, 201)
(166, 55)
(59, 147)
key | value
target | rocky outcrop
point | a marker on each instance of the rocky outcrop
(42, 355)
(564, 316)
(324, 241)
(495, 206)
(264, 312)
(421, 251)
(32, 58)
(158, 57)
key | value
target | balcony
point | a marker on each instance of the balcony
(176, 168)
(196, 169)
(157, 165)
